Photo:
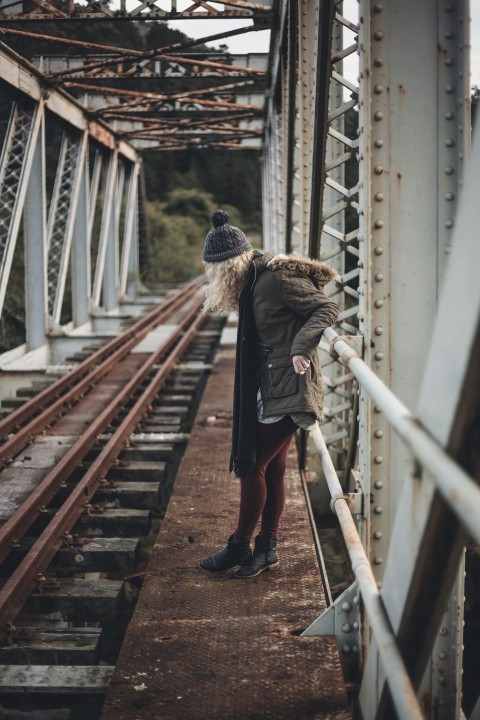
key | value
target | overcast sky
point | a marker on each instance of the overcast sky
(259, 41)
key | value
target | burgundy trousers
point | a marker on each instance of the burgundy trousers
(262, 494)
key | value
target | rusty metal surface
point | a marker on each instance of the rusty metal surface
(17, 588)
(211, 647)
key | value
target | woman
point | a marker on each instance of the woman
(282, 315)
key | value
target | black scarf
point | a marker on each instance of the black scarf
(244, 424)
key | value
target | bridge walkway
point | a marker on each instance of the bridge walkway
(215, 648)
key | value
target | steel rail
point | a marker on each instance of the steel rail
(104, 358)
(398, 679)
(458, 489)
(27, 513)
(23, 581)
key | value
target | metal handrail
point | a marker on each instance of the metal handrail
(458, 489)
(401, 688)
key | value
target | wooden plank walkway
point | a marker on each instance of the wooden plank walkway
(208, 647)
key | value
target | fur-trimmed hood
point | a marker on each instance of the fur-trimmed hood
(320, 273)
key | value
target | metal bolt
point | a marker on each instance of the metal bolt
(378, 355)
(449, 34)
(449, 61)
(378, 89)
(378, 35)
(443, 631)
(449, 7)
(378, 250)
(449, 115)
(378, 459)
(377, 8)
(378, 330)
(450, 142)
(379, 196)
(355, 625)
(346, 607)
(449, 88)
(378, 303)
(447, 249)
(449, 170)
(378, 170)
(377, 409)
(377, 560)
(449, 223)
(378, 277)
(378, 484)
(449, 196)
(378, 510)
(378, 62)
(346, 649)
(346, 628)
(378, 144)
(442, 655)
(441, 679)
(379, 224)
(356, 599)
(378, 433)
(378, 535)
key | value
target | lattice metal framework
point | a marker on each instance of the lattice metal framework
(53, 246)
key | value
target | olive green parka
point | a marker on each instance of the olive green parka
(291, 311)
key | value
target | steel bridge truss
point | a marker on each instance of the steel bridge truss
(97, 173)
(366, 173)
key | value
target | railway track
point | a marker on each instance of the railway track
(87, 464)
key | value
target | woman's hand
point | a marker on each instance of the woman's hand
(300, 364)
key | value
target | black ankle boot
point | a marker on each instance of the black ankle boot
(237, 552)
(264, 558)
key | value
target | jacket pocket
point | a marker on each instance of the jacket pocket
(281, 378)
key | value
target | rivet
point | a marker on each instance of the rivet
(355, 625)
(443, 631)
(449, 196)
(378, 459)
(346, 607)
(378, 509)
(378, 355)
(378, 303)
(449, 170)
(346, 649)
(378, 115)
(449, 223)
(379, 224)
(378, 535)
(378, 35)
(377, 560)
(377, 409)
(378, 277)
(355, 648)
(448, 249)
(449, 88)
(449, 7)
(377, 8)
(378, 170)
(378, 433)
(449, 115)
(346, 628)
(379, 196)
(378, 484)
(449, 61)
(449, 34)
(450, 142)
(378, 89)
(378, 62)
(378, 250)
(378, 330)
(378, 143)
(441, 680)
(442, 655)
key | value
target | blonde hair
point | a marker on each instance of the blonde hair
(225, 282)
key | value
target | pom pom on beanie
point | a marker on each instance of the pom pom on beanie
(224, 241)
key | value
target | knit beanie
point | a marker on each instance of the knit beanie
(223, 241)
